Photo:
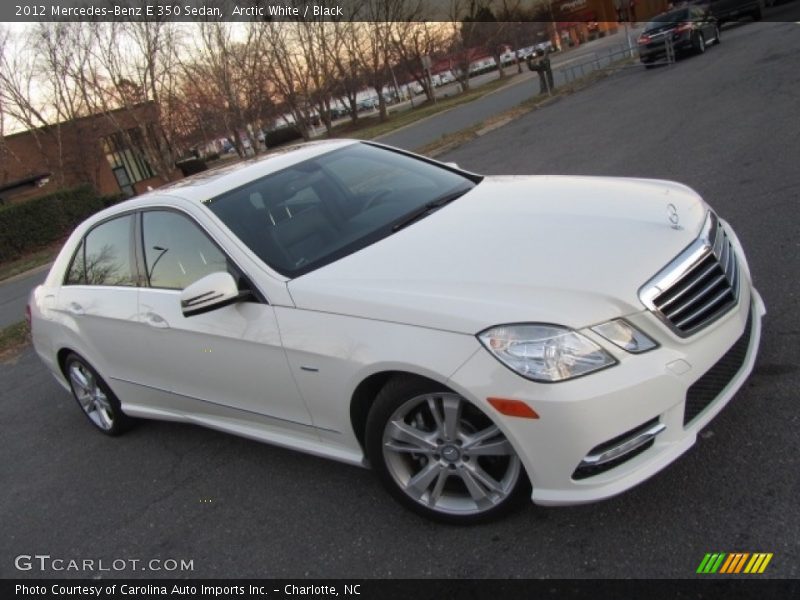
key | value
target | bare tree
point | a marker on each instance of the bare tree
(317, 41)
(349, 77)
(290, 75)
(412, 42)
(134, 63)
(375, 38)
(37, 93)
(222, 71)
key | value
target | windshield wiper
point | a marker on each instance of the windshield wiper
(428, 208)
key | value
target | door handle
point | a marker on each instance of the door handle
(75, 309)
(155, 320)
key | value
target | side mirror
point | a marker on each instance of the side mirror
(209, 293)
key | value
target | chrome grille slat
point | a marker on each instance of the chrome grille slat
(725, 257)
(699, 286)
(703, 309)
(734, 279)
(718, 242)
(731, 272)
(686, 289)
(697, 296)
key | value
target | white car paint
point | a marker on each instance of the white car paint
(441, 278)
(568, 250)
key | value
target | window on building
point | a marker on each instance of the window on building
(125, 153)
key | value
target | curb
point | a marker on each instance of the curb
(484, 127)
(27, 273)
(516, 79)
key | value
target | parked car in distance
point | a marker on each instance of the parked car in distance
(367, 104)
(733, 10)
(679, 31)
(526, 51)
(474, 340)
(443, 78)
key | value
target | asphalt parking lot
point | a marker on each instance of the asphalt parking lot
(725, 123)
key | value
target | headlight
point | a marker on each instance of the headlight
(545, 353)
(625, 335)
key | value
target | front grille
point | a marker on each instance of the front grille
(706, 291)
(706, 389)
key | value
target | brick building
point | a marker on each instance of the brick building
(578, 21)
(108, 151)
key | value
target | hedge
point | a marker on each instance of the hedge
(276, 137)
(46, 219)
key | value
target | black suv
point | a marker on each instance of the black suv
(733, 10)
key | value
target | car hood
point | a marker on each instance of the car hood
(566, 250)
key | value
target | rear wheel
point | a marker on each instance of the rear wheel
(699, 43)
(95, 398)
(441, 456)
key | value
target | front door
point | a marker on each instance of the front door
(229, 358)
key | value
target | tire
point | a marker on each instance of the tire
(699, 43)
(441, 456)
(95, 398)
(717, 37)
(757, 14)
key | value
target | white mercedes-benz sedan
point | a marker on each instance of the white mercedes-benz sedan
(475, 340)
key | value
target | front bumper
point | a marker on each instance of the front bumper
(579, 415)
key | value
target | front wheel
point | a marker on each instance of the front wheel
(440, 455)
(95, 398)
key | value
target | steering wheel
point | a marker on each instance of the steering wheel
(375, 199)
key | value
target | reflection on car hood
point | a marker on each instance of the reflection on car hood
(567, 250)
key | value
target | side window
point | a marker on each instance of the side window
(76, 275)
(108, 254)
(176, 251)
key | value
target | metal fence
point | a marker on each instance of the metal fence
(570, 72)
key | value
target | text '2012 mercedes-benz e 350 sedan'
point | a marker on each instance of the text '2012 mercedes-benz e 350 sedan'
(475, 340)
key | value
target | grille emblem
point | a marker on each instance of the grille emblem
(672, 215)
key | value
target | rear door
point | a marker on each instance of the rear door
(99, 296)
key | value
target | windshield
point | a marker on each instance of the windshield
(324, 208)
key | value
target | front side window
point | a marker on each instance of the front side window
(322, 209)
(176, 251)
(107, 254)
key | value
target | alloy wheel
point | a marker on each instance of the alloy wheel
(448, 456)
(90, 396)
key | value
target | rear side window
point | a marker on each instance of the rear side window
(176, 251)
(107, 255)
(76, 275)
